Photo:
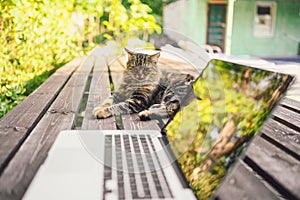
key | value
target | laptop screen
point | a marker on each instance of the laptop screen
(208, 135)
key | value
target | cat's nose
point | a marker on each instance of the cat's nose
(140, 77)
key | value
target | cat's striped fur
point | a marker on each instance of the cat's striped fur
(146, 90)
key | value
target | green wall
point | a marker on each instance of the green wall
(195, 20)
(240, 39)
(287, 22)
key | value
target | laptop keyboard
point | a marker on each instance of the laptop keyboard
(132, 169)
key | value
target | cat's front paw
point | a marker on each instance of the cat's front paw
(144, 115)
(102, 112)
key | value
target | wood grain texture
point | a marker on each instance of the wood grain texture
(28, 132)
(116, 67)
(274, 155)
(288, 117)
(292, 104)
(17, 124)
(241, 183)
(282, 135)
(132, 122)
(61, 115)
(281, 170)
(99, 91)
(177, 66)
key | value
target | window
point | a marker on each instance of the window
(264, 21)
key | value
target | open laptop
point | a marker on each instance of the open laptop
(187, 160)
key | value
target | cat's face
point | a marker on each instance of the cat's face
(142, 67)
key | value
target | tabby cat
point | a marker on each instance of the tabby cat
(147, 90)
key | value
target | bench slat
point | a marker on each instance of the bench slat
(116, 67)
(99, 91)
(241, 183)
(61, 116)
(287, 117)
(136, 124)
(281, 144)
(178, 66)
(293, 104)
(29, 131)
(281, 135)
(275, 166)
(17, 124)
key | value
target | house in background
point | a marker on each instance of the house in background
(239, 27)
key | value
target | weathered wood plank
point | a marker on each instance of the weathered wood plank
(17, 176)
(275, 166)
(292, 104)
(132, 122)
(28, 133)
(99, 91)
(287, 117)
(282, 135)
(241, 183)
(189, 52)
(17, 124)
(116, 67)
(180, 67)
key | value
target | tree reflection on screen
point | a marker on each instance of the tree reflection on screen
(208, 134)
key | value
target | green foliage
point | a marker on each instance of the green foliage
(124, 24)
(36, 37)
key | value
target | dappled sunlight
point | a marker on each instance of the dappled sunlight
(35, 40)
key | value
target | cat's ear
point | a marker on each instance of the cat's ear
(130, 53)
(155, 57)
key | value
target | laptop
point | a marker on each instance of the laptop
(188, 159)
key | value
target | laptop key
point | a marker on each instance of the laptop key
(132, 177)
(161, 178)
(108, 184)
(140, 156)
(152, 168)
(119, 158)
(141, 166)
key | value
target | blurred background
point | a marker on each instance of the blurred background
(37, 37)
(239, 27)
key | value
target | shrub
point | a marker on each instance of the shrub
(36, 37)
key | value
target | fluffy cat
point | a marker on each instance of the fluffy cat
(147, 90)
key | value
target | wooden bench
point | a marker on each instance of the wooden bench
(270, 170)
